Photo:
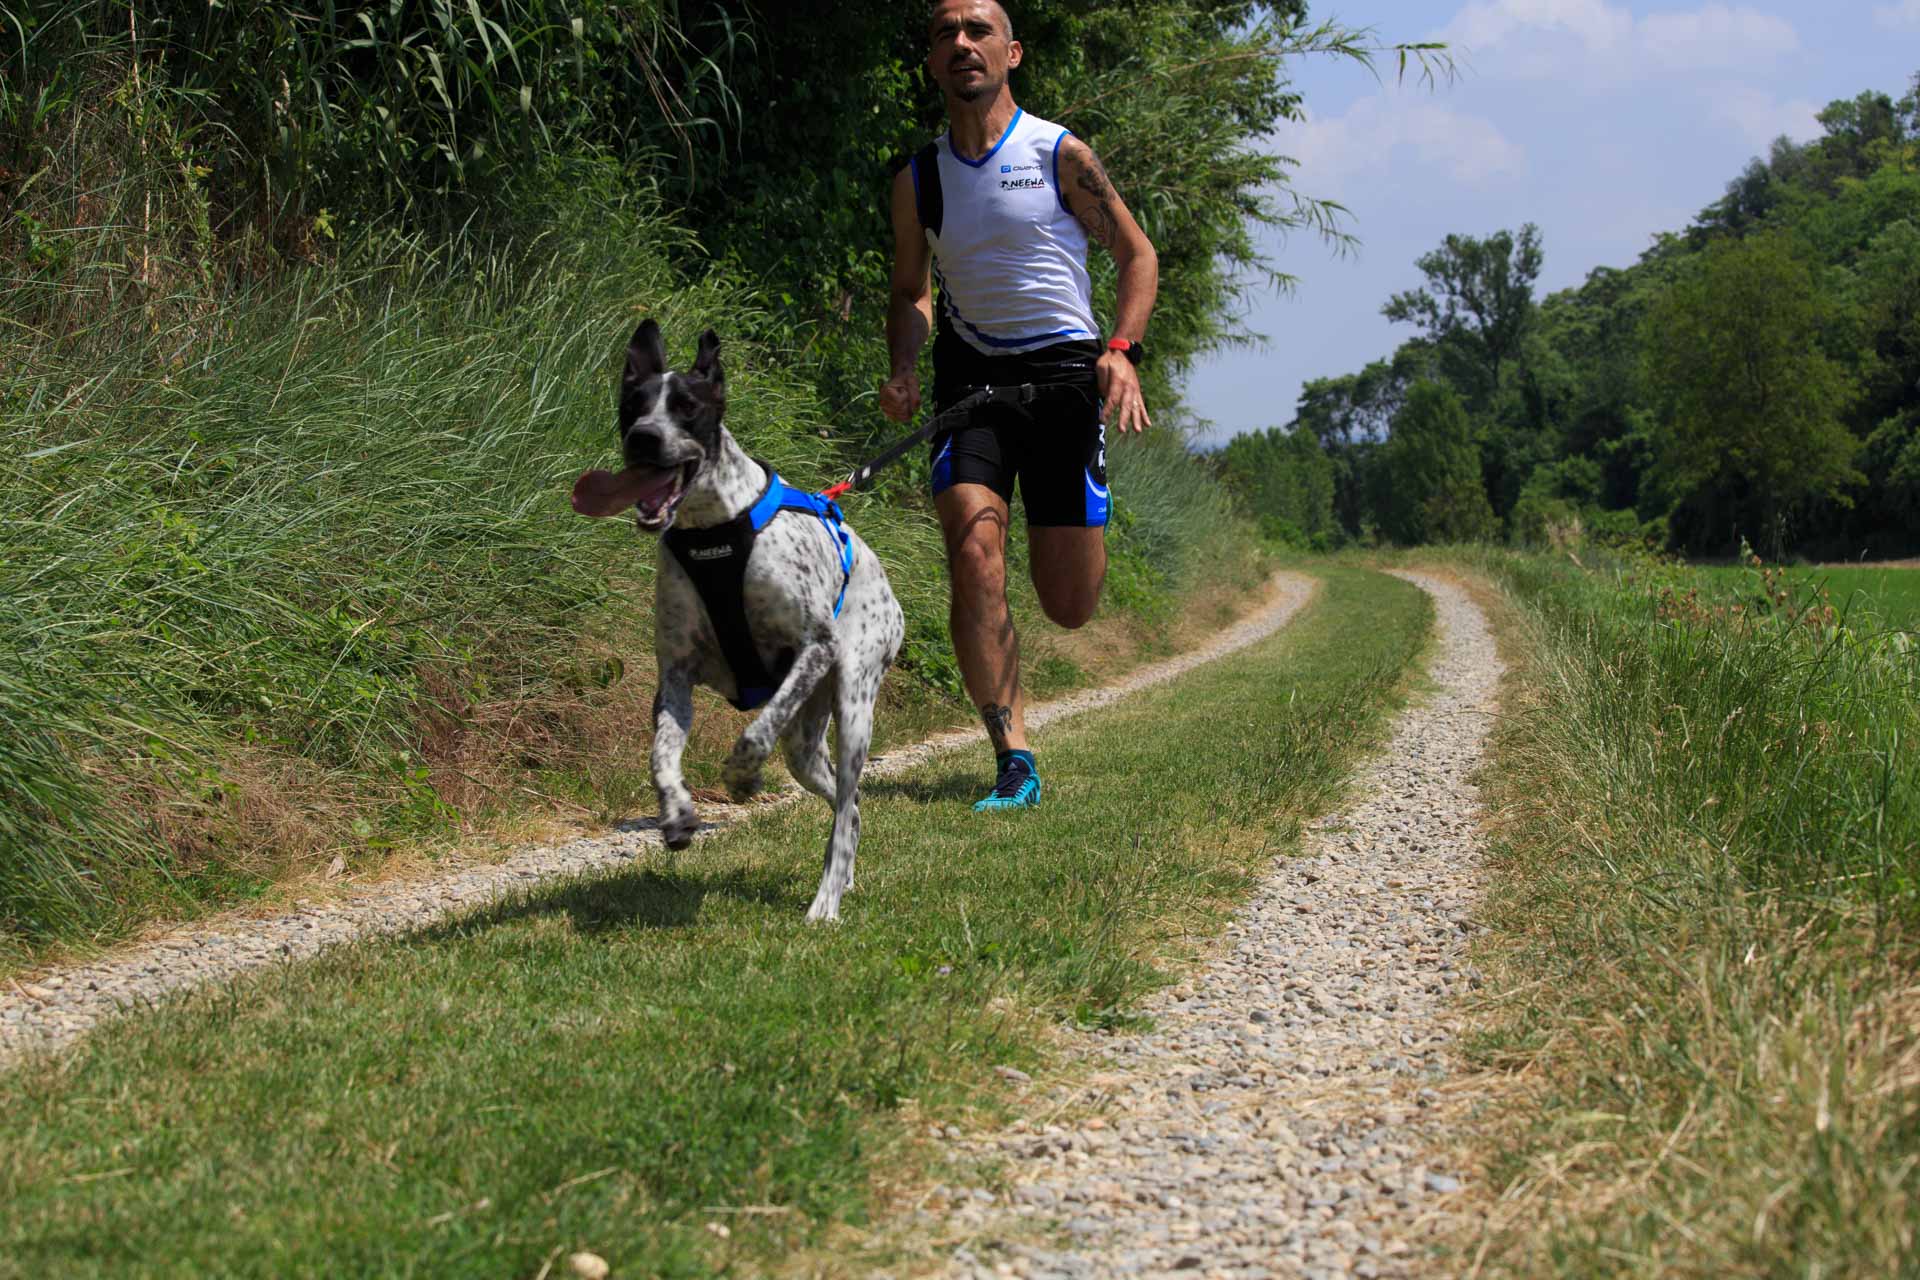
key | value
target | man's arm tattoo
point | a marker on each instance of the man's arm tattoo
(1099, 220)
(999, 722)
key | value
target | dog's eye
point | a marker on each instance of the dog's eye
(681, 405)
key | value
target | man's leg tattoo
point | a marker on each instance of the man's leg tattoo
(999, 722)
(998, 717)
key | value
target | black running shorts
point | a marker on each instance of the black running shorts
(1055, 447)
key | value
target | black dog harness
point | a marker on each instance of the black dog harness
(715, 558)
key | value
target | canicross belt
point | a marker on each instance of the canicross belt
(715, 558)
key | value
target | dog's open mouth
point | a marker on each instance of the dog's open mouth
(653, 493)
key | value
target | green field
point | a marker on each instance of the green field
(610, 1064)
(1867, 595)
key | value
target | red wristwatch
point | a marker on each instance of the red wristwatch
(1134, 351)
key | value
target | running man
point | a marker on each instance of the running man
(1001, 209)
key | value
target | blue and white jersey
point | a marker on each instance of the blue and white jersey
(1008, 256)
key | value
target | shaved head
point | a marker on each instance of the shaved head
(1006, 19)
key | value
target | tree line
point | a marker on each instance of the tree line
(1754, 377)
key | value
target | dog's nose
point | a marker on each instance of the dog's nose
(642, 447)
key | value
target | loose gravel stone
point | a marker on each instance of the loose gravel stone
(55, 1008)
(1280, 1117)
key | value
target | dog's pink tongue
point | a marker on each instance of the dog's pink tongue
(602, 493)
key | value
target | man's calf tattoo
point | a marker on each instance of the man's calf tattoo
(999, 722)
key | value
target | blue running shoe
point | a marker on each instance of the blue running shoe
(1018, 787)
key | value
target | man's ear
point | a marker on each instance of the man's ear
(707, 363)
(1014, 54)
(646, 354)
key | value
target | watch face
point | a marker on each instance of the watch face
(1136, 352)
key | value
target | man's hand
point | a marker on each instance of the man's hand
(1124, 408)
(1099, 208)
(900, 396)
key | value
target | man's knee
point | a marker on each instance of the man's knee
(977, 561)
(1068, 573)
(977, 552)
(1071, 608)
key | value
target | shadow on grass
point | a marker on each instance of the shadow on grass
(965, 784)
(637, 898)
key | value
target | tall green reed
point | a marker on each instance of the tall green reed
(353, 111)
(1774, 735)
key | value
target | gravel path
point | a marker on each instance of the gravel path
(53, 1008)
(1275, 1121)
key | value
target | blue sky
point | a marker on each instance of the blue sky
(1603, 121)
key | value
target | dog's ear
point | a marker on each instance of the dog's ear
(646, 354)
(707, 363)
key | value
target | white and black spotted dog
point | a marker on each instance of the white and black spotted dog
(799, 600)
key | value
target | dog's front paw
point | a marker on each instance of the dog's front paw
(678, 825)
(825, 908)
(742, 772)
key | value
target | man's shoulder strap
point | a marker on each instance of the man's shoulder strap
(926, 187)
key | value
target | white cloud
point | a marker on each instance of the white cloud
(1560, 38)
(1598, 26)
(1715, 38)
(1391, 132)
(1760, 117)
(1904, 14)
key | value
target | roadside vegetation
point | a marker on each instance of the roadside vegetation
(1702, 1017)
(626, 1062)
(310, 316)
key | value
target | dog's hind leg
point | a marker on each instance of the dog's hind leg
(853, 714)
(805, 745)
(742, 770)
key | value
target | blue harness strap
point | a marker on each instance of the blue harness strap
(828, 513)
(715, 559)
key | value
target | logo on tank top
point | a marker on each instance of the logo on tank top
(1010, 183)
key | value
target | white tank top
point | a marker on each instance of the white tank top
(1010, 260)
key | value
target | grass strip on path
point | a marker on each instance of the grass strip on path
(617, 1063)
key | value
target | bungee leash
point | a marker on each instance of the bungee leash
(600, 493)
(1024, 393)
